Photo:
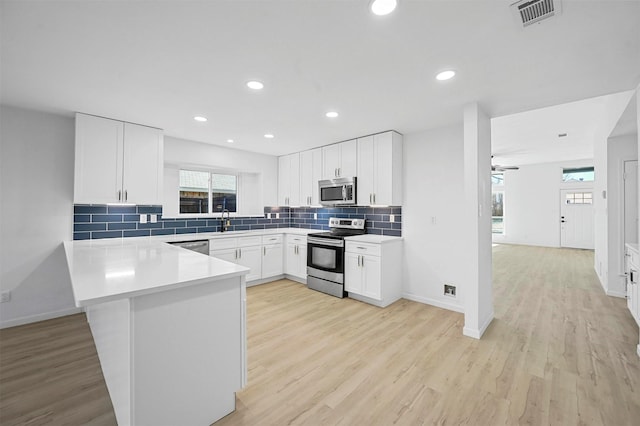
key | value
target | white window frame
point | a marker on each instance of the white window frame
(210, 214)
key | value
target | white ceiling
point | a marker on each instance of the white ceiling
(161, 63)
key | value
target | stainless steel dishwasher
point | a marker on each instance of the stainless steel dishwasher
(200, 246)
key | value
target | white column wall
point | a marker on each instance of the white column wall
(476, 255)
(432, 216)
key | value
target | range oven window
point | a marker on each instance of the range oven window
(324, 258)
(327, 257)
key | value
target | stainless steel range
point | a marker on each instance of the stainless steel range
(325, 255)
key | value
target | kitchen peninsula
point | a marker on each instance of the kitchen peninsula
(169, 328)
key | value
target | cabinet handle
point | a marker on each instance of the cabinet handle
(339, 172)
(374, 198)
(264, 251)
(240, 250)
(361, 248)
(370, 199)
(119, 195)
(125, 195)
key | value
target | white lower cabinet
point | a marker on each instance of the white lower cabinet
(243, 251)
(272, 259)
(372, 272)
(295, 262)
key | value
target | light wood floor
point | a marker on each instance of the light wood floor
(558, 352)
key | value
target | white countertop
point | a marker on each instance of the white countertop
(112, 269)
(229, 234)
(373, 238)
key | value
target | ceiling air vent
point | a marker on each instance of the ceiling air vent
(532, 11)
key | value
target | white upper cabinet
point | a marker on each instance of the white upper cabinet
(340, 160)
(289, 180)
(380, 169)
(310, 174)
(117, 162)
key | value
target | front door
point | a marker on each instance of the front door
(576, 218)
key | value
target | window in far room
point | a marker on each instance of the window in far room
(497, 203)
(581, 174)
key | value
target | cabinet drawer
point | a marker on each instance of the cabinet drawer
(272, 239)
(249, 241)
(297, 239)
(223, 243)
(363, 248)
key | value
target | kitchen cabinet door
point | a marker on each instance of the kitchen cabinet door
(143, 164)
(330, 161)
(366, 171)
(380, 169)
(310, 173)
(340, 160)
(117, 162)
(371, 276)
(296, 260)
(289, 180)
(352, 273)
(348, 159)
(98, 160)
(272, 260)
(252, 259)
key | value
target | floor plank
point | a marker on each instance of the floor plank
(558, 352)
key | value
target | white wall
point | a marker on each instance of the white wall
(532, 203)
(619, 149)
(611, 113)
(259, 168)
(432, 216)
(36, 214)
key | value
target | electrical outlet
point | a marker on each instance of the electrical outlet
(5, 296)
(392, 218)
(268, 215)
(154, 218)
(277, 215)
(143, 218)
(450, 290)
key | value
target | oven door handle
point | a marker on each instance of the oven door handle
(325, 242)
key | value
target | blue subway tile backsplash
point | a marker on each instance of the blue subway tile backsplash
(101, 221)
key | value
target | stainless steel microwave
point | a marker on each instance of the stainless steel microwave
(338, 192)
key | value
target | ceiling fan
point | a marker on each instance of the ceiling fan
(498, 168)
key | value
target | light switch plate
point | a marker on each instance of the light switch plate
(315, 216)
(154, 218)
(143, 218)
(392, 218)
(277, 215)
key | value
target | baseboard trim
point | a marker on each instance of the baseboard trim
(616, 294)
(40, 317)
(433, 302)
(296, 279)
(477, 333)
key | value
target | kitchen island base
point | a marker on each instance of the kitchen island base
(173, 357)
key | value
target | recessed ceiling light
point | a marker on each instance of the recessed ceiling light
(269, 136)
(200, 119)
(383, 7)
(255, 85)
(445, 75)
(332, 114)
(230, 140)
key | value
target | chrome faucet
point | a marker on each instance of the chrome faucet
(224, 225)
